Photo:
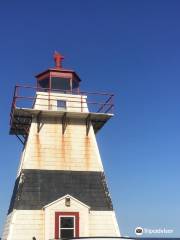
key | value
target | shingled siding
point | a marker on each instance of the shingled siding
(49, 149)
(36, 188)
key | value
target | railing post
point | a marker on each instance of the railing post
(48, 99)
(112, 102)
(15, 95)
(49, 92)
(81, 103)
(13, 104)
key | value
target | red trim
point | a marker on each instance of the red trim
(58, 70)
(43, 76)
(57, 214)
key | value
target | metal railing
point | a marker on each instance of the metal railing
(27, 96)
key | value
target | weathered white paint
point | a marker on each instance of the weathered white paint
(24, 225)
(6, 230)
(48, 101)
(103, 223)
(50, 149)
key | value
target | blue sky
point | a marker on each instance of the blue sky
(130, 48)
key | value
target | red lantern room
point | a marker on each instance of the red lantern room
(58, 79)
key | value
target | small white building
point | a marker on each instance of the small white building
(60, 189)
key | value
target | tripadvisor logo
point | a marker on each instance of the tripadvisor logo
(139, 231)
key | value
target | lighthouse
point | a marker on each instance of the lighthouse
(60, 190)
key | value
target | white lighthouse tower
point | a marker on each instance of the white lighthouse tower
(60, 189)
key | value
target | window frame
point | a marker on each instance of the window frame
(58, 216)
(61, 108)
(62, 228)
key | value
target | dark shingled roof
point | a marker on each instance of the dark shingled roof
(36, 188)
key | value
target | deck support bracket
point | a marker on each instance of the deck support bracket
(64, 123)
(23, 141)
(39, 122)
(88, 124)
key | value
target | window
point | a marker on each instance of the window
(66, 225)
(61, 105)
(61, 84)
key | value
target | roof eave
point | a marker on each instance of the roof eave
(57, 70)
